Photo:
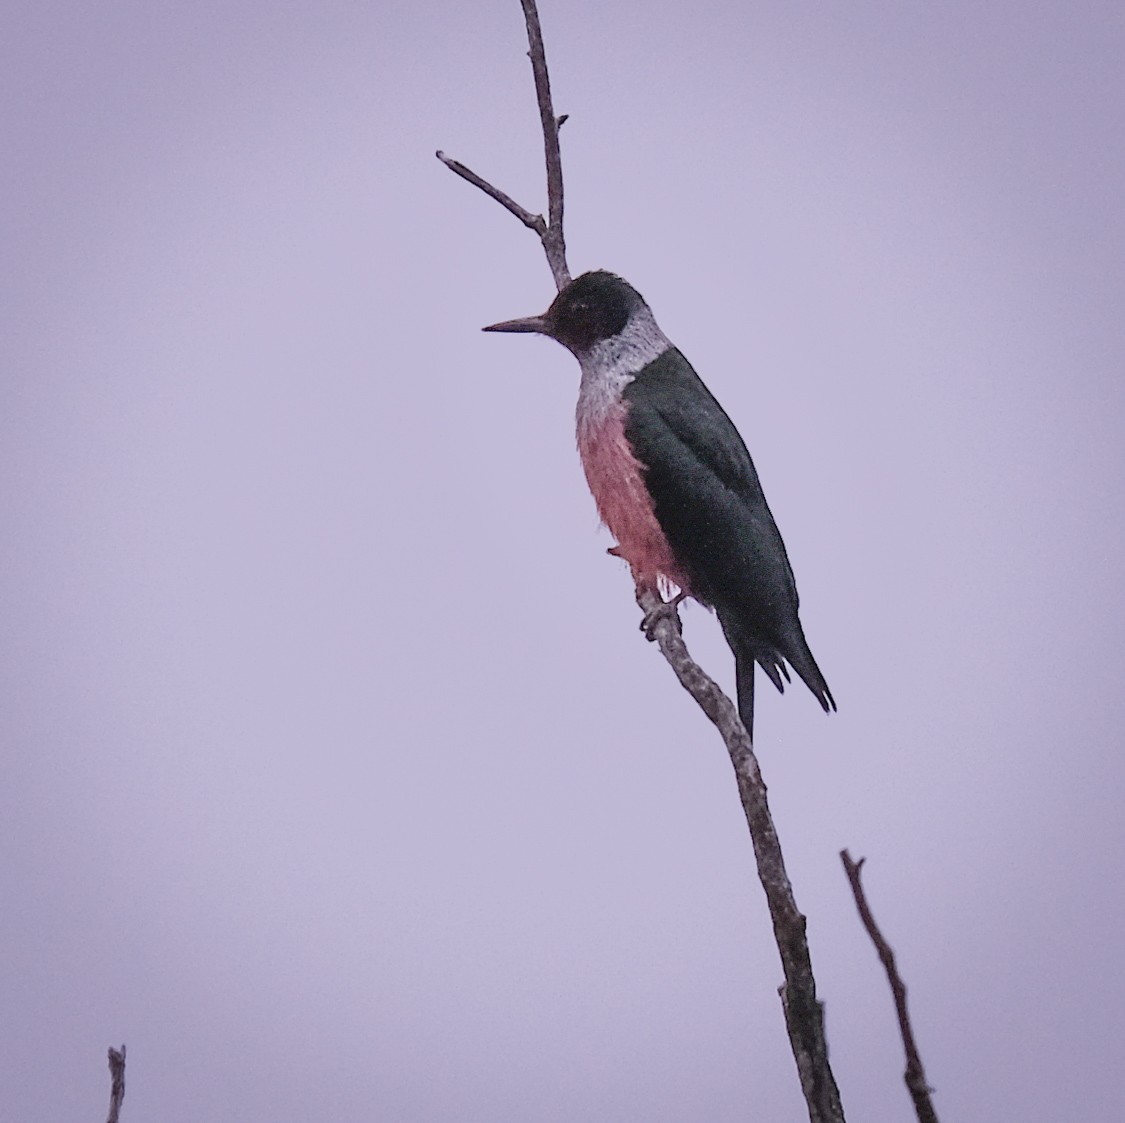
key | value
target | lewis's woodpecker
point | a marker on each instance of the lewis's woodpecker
(673, 480)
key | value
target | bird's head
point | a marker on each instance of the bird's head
(592, 308)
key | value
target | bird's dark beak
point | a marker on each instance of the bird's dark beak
(528, 324)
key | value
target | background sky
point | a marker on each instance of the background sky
(337, 779)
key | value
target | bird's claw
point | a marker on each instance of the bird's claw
(665, 610)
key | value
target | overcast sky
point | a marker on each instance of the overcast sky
(337, 779)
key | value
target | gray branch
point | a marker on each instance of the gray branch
(550, 230)
(554, 245)
(915, 1075)
(804, 1013)
(532, 221)
(117, 1083)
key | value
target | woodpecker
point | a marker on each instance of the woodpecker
(674, 482)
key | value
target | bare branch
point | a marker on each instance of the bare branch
(550, 230)
(117, 1083)
(532, 221)
(553, 243)
(915, 1075)
(804, 1013)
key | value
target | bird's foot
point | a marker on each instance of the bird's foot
(665, 610)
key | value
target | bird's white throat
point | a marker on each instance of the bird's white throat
(611, 364)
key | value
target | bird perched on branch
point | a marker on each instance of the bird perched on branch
(673, 480)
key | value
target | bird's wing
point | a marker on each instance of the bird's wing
(710, 505)
(704, 486)
(668, 399)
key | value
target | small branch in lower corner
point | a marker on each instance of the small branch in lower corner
(915, 1075)
(117, 1083)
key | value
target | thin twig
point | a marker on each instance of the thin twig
(915, 1075)
(550, 229)
(117, 1083)
(804, 1013)
(532, 221)
(553, 242)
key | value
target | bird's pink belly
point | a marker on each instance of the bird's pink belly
(616, 480)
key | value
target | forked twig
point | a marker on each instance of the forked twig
(550, 230)
(915, 1075)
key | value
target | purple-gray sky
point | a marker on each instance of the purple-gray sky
(337, 780)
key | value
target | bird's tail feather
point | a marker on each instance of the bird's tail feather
(744, 686)
(794, 651)
(802, 661)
